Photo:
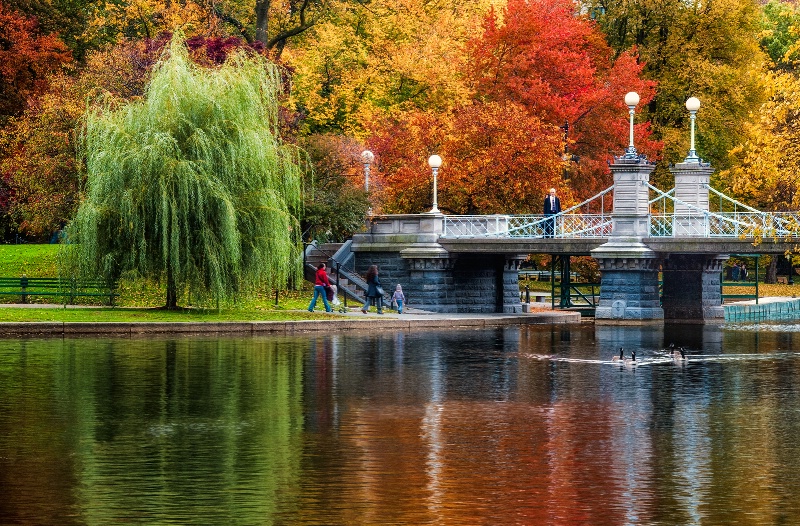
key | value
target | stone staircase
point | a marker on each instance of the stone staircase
(337, 256)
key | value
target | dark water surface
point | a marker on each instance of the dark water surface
(530, 425)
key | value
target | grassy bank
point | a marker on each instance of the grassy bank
(95, 315)
(41, 261)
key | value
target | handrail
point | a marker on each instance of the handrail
(587, 201)
(731, 200)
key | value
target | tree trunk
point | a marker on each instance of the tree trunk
(262, 20)
(772, 270)
(172, 289)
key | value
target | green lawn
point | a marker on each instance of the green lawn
(41, 261)
(13, 314)
(31, 260)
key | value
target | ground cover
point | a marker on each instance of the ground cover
(41, 261)
(127, 315)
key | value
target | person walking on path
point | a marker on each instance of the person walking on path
(320, 283)
(374, 290)
(398, 298)
(552, 206)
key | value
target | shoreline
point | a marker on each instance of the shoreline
(406, 322)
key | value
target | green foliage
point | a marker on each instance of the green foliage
(191, 186)
(704, 49)
(779, 36)
(335, 202)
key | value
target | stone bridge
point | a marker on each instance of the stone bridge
(471, 263)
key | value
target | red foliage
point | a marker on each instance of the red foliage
(26, 59)
(559, 68)
(497, 159)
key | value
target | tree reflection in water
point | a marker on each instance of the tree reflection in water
(530, 425)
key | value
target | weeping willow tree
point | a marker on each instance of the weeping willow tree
(191, 186)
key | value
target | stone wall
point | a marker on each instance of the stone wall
(468, 284)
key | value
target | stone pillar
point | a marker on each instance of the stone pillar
(628, 268)
(510, 283)
(692, 288)
(691, 187)
(628, 285)
(631, 215)
(431, 283)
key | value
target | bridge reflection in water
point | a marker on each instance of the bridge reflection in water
(531, 425)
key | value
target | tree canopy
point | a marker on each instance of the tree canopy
(192, 184)
(516, 95)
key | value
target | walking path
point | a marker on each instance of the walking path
(352, 320)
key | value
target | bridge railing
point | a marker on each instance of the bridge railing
(476, 226)
(569, 223)
(529, 226)
(725, 224)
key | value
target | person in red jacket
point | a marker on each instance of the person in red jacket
(319, 288)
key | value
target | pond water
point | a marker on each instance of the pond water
(523, 425)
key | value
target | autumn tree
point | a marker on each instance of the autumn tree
(766, 171)
(707, 50)
(534, 66)
(39, 164)
(368, 60)
(557, 66)
(497, 159)
(76, 22)
(27, 57)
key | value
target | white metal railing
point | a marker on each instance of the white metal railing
(529, 226)
(566, 224)
(743, 221)
(726, 224)
(579, 226)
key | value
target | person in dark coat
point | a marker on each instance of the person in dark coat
(552, 206)
(373, 284)
(321, 281)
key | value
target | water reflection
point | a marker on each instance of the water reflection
(529, 425)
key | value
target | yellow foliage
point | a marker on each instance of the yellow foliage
(392, 56)
(768, 169)
(149, 18)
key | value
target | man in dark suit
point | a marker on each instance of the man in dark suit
(552, 206)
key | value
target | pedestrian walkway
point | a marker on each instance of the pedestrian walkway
(413, 320)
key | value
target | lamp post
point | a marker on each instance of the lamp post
(565, 157)
(692, 104)
(435, 162)
(631, 100)
(367, 157)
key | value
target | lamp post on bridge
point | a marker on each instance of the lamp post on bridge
(435, 162)
(692, 104)
(367, 158)
(631, 100)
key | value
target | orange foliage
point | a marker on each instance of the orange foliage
(26, 59)
(559, 67)
(504, 146)
(497, 158)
